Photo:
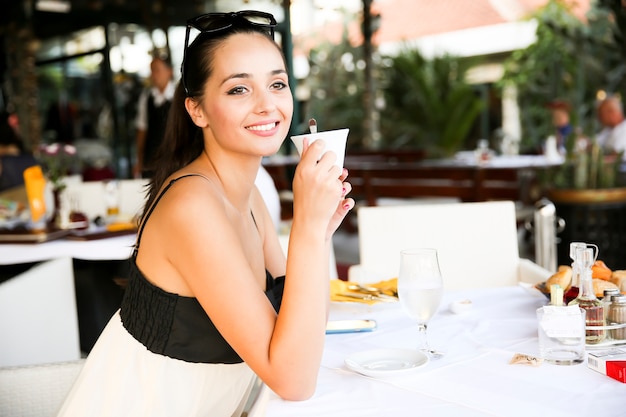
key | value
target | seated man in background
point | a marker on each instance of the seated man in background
(13, 157)
(10, 142)
(611, 114)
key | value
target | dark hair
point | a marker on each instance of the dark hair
(183, 140)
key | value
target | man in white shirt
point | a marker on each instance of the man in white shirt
(613, 136)
(152, 110)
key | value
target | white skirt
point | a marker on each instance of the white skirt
(123, 378)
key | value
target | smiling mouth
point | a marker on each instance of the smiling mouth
(263, 128)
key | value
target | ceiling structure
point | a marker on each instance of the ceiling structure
(73, 15)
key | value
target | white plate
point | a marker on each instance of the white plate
(381, 363)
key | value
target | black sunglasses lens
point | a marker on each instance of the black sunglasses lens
(210, 23)
(260, 20)
(219, 21)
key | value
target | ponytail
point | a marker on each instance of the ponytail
(182, 143)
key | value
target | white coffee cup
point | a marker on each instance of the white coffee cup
(335, 141)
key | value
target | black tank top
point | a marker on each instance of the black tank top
(176, 326)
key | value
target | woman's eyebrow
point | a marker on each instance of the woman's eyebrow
(248, 75)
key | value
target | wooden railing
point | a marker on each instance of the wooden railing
(373, 180)
(405, 175)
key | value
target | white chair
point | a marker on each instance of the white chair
(88, 197)
(91, 197)
(267, 188)
(476, 242)
(36, 390)
(133, 195)
(39, 320)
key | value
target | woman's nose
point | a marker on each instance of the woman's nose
(265, 102)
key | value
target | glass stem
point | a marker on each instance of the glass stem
(422, 340)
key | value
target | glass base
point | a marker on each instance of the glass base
(563, 357)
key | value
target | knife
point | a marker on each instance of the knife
(381, 297)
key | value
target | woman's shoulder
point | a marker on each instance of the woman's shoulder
(189, 205)
(184, 191)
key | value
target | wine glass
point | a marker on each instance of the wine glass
(420, 288)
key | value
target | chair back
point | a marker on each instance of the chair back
(36, 390)
(39, 317)
(133, 195)
(91, 196)
(476, 242)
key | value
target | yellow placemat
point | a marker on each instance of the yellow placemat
(338, 288)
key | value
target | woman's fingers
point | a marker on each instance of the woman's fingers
(346, 188)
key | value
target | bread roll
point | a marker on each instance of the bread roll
(600, 270)
(619, 278)
(599, 285)
(562, 277)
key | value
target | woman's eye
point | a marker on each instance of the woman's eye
(279, 85)
(237, 90)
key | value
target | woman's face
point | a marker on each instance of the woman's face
(160, 73)
(247, 102)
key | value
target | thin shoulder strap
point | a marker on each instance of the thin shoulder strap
(151, 209)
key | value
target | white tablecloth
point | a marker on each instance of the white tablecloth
(468, 158)
(113, 248)
(474, 378)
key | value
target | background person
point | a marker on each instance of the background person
(611, 115)
(153, 107)
(14, 158)
(10, 141)
(207, 307)
(561, 121)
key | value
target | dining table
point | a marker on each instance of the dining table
(477, 376)
(115, 248)
(98, 261)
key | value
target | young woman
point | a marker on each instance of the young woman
(201, 313)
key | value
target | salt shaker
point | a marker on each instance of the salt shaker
(607, 299)
(617, 315)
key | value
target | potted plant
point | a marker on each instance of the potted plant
(589, 194)
(588, 174)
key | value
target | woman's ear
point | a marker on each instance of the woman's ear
(195, 112)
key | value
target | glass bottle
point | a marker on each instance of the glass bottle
(617, 315)
(586, 299)
(572, 291)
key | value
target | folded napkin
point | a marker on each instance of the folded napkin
(341, 291)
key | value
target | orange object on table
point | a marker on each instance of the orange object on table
(35, 184)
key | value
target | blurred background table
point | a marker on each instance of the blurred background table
(108, 249)
(99, 266)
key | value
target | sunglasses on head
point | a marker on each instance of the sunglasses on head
(218, 22)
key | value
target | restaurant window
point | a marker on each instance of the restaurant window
(73, 97)
(88, 89)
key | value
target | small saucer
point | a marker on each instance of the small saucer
(382, 363)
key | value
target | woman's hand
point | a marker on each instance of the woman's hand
(345, 205)
(320, 188)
